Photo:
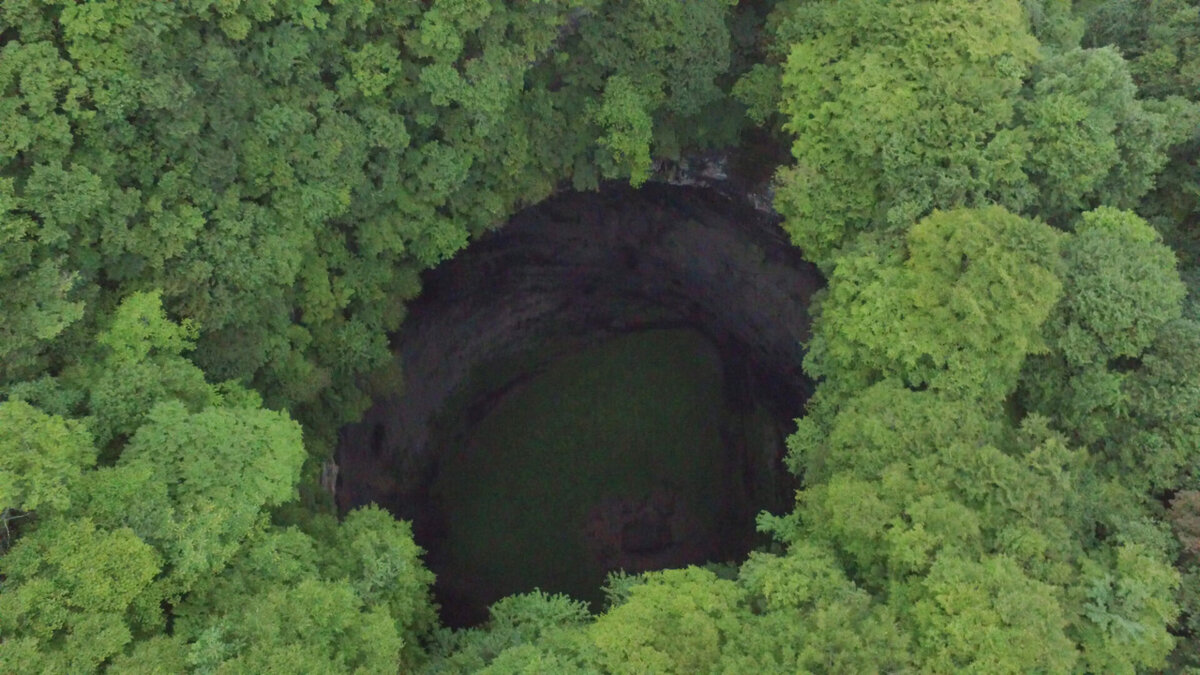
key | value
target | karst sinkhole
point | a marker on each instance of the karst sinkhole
(604, 383)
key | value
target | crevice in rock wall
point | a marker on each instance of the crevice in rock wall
(571, 273)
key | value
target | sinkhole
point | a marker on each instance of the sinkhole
(605, 383)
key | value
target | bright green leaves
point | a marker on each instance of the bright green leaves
(983, 282)
(1092, 141)
(281, 169)
(41, 457)
(377, 554)
(1119, 288)
(1074, 143)
(197, 453)
(956, 310)
(919, 343)
(984, 534)
(84, 569)
(989, 617)
(142, 366)
(314, 626)
(781, 614)
(192, 479)
(1120, 376)
(892, 119)
(814, 619)
(885, 424)
(529, 631)
(891, 106)
(930, 485)
(222, 467)
(980, 536)
(1139, 414)
(140, 328)
(623, 114)
(887, 528)
(375, 67)
(1129, 605)
(301, 594)
(175, 529)
(675, 622)
(69, 584)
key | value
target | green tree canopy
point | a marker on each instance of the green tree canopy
(956, 307)
(213, 214)
(41, 457)
(68, 590)
(896, 109)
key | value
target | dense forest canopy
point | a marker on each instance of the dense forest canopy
(213, 212)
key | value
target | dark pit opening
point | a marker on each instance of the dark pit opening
(605, 383)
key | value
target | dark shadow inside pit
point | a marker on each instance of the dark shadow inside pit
(605, 383)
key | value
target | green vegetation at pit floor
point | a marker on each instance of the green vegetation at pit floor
(639, 414)
(213, 213)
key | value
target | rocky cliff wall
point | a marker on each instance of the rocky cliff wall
(576, 269)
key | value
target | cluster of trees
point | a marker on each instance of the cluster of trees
(212, 214)
(167, 528)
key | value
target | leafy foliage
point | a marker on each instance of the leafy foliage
(178, 524)
(68, 589)
(1121, 288)
(41, 457)
(956, 309)
(892, 106)
(1159, 38)
(213, 213)
(1093, 142)
(900, 108)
